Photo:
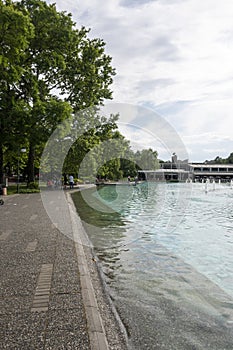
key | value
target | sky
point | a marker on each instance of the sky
(174, 57)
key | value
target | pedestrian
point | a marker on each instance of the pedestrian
(50, 184)
(71, 181)
(65, 181)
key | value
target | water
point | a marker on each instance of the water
(167, 256)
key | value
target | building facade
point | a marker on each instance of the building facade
(222, 172)
(189, 172)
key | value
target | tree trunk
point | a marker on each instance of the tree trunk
(1, 164)
(30, 166)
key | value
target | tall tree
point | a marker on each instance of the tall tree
(146, 159)
(16, 31)
(59, 60)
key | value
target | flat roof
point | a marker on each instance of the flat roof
(164, 171)
(211, 165)
(211, 173)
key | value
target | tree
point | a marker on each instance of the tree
(91, 148)
(62, 71)
(230, 159)
(128, 167)
(16, 31)
(219, 160)
(147, 159)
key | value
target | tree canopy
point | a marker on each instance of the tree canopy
(49, 69)
(219, 160)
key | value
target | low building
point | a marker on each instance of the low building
(176, 175)
(189, 171)
(200, 171)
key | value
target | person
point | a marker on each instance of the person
(50, 184)
(65, 181)
(71, 181)
(129, 178)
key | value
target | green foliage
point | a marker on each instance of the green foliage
(219, 160)
(50, 71)
(43, 53)
(147, 159)
(230, 159)
(16, 31)
(33, 185)
(128, 167)
(29, 190)
(110, 170)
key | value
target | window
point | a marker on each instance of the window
(197, 169)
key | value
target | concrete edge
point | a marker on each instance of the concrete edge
(96, 332)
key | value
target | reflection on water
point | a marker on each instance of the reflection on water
(166, 251)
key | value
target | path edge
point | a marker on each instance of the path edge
(96, 332)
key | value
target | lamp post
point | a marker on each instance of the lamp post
(22, 150)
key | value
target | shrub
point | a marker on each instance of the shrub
(33, 186)
(29, 190)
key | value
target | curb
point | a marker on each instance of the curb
(96, 332)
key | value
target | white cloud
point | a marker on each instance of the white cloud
(173, 55)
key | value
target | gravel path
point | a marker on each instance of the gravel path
(42, 304)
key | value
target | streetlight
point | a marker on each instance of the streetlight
(22, 150)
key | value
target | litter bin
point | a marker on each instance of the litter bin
(3, 190)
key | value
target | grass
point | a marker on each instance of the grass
(12, 189)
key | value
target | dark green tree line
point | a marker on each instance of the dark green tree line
(219, 160)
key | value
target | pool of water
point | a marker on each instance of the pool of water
(167, 255)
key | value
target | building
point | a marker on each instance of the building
(182, 172)
(222, 172)
(176, 175)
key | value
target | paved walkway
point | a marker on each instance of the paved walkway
(41, 298)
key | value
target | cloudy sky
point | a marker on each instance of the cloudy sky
(173, 56)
